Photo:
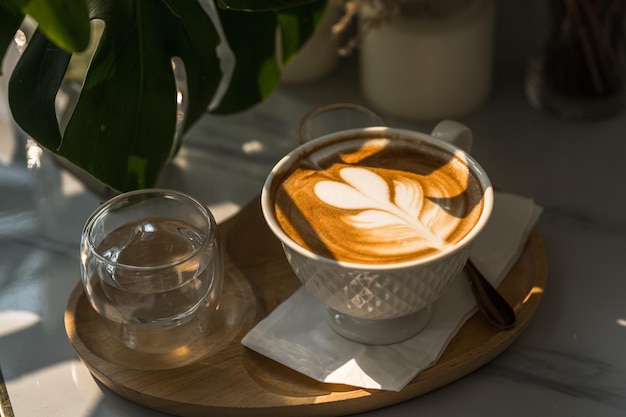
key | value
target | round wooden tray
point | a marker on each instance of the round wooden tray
(235, 381)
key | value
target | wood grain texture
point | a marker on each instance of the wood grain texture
(231, 380)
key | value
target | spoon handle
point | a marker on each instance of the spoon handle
(493, 306)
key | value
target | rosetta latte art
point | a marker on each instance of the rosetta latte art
(383, 215)
(377, 201)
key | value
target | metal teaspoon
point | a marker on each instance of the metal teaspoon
(493, 306)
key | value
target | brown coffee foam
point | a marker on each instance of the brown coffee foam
(452, 200)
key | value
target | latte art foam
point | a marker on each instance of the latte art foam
(378, 201)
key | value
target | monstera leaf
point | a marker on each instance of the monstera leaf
(123, 129)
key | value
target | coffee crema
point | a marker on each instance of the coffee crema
(377, 200)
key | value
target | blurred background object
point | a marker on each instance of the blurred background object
(577, 65)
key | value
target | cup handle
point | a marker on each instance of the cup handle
(455, 133)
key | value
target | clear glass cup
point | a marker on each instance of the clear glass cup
(152, 268)
(335, 117)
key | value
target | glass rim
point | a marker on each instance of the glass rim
(337, 105)
(87, 236)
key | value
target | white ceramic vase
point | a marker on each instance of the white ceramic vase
(430, 61)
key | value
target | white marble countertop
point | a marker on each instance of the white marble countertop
(569, 361)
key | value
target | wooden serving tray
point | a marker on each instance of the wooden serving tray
(235, 381)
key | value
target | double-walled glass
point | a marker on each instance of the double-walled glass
(152, 267)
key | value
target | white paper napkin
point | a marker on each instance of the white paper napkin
(297, 335)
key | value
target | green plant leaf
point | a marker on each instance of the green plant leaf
(257, 73)
(64, 22)
(33, 88)
(257, 70)
(10, 19)
(297, 26)
(127, 110)
(262, 5)
(122, 130)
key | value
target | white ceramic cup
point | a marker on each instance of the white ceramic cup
(380, 303)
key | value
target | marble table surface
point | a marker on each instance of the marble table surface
(569, 361)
